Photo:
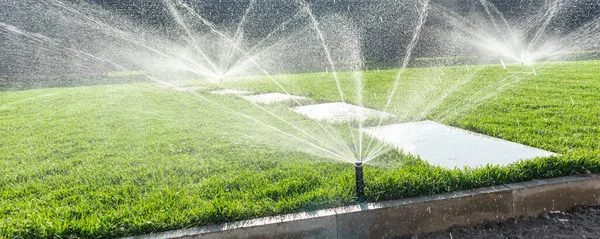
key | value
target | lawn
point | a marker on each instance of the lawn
(125, 159)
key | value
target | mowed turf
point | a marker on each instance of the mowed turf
(117, 160)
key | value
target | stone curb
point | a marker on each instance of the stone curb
(413, 215)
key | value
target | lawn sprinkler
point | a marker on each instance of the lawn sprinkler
(360, 183)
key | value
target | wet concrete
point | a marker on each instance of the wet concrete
(339, 112)
(451, 147)
(271, 98)
(192, 88)
(231, 92)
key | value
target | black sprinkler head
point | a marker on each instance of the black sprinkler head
(360, 183)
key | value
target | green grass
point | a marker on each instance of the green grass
(116, 160)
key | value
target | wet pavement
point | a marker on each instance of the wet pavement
(451, 147)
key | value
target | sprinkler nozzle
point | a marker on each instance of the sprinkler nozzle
(360, 183)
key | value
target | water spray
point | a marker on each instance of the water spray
(360, 183)
(220, 77)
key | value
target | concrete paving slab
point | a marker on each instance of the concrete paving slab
(451, 147)
(231, 92)
(339, 112)
(192, 88)
(271, 98)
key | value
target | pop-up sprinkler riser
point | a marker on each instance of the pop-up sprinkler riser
(360, 183)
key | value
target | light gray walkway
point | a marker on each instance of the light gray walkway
(339, 112)
(271, 98)
(192, 88)
(453, 147)
(231, 92)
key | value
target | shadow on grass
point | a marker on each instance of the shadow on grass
(21, 83)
